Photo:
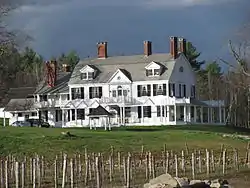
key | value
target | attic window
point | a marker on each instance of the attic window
(153, 72)
(181, 69)
(87, 75)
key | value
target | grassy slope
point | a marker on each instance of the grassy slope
(50, 141)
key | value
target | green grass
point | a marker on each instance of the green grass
(1, 121)
(49, 142)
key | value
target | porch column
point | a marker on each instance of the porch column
(168, 113)
(120, 122)
(224, 115)
(123, 115)
(63, 118)
(105, 124)
(185, 113)
(4, 120)
(75, 116)
(208, 114)
(142, 115)
(201, 114)
(165, 112)
(161, 114)
(212, 115)
(189, 113)
(220, 116)
(90, 123)
(195, 114)
(175, 111)
(109, 123)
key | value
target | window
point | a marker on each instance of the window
(153, 72)
(95, 92)
(119, 90)
(19, 114)
(77, 93)
(68, 115)
(161, 112)
(87, 75)
(73, 114)
(143, 90)
(181, 69)
(43, 97)
(147, 111)
(193, 91)
(180, 93)
(125, 93)
(33, 114)
(68, 97)
(127, 112)
(184, 90)
(171, 90)
(159, 89)
(113, 93)
(58, 115)
(26, 116)
(81, 114)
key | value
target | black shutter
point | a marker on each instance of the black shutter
(194, 92)
(149, 112)
(73, 93)
(164, 89)
(82, 92)
(68, 115)
(179, 90)
(169, 90)
(138, 91)
(90, 92)
(68, 97)
(139, 111)
(56, 115)
(184, 90)
(146, 72)
(154, 89)
(100, 92)
(173, 89)
(148, 90)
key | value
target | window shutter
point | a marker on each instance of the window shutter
(149, 112)
(154, 89)
(164, 89)
(173, 89)
(139, 111)
(73, 93)
(194, 92)
(82, 92)
(148, 90)
(90, 92)
(184, 90)
(68, 115)
(146, 72)
(100, 92)
(138, 91)
(169, 90)
(180, 90)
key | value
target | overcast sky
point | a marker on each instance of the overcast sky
(61, 25)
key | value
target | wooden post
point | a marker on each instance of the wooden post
(110, 168)
(64, 170)
(38, 168)
(193, 165)
(6, 174)
(153, 166)
(23, 174)
(142, 153)
(176, 165)
(71, 173)
(124, 169)
(42, 167)
(167, 163)
(17, 174)
(97, 165)
(119, 160)
(2, 173)
(207, 163)
(199, 161)
(146, 166)
(31, 170)
(55, 173)
(34, 173)
(183, 162)
(236, 160)
(86, 168)
(128, 171)
(224, 162)
(212, 161)
(150, 164)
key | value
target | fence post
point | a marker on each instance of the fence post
(23, 174)
(72, 173)
(224, 162)
(34, 173)
(199, 161)
(64, 170)
(6, 174)
(97, 165)
(128, 170)
(176, 165)
(17, 174)
(55, 172)
(183, 162)
(207, 162)
(124, 169)
(193, 165)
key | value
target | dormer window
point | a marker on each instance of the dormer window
(153, 69)
(88, 72)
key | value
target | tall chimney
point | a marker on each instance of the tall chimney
(182, 46)
(51, 72)
(147, 48)
(102, 48)
(173, 47)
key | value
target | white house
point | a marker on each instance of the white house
(147, 89)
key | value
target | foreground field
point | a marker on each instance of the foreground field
(49, 142)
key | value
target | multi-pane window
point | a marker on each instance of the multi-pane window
(73, 115)
(193, 91)
(143, 90)
(147, 111)
(171, 90)
(182, 90)
(159, 89)
(77, 93)
(43, 97)
(58, 115)
(153, 72)
(87, 75)
(161, 111)
(95, 92)
(80, 114)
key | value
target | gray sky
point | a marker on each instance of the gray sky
(62, 25)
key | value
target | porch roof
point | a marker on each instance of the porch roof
(198, 102)
(99, 111)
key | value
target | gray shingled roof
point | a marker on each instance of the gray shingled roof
(61, 85)
(133, 65)
(20, 105)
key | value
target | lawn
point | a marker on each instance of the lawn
(50, 141)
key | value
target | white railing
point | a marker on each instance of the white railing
(118, 100)
(51, 103)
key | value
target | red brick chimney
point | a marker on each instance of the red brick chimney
(51, 73)
(102, 49)
(147, 48)
(182, 46)
(173, 47)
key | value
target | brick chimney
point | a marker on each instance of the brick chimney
(66, 68)
(102, 49)
(182, 47)
(173, 47)
(147, 48)
(51, 72)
